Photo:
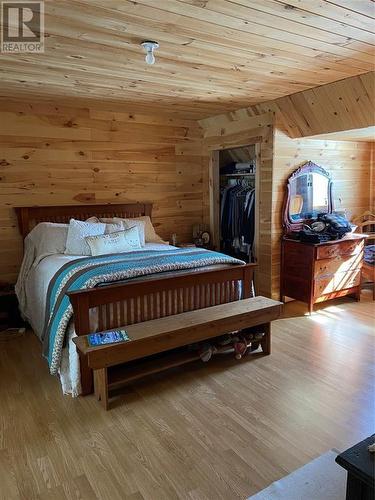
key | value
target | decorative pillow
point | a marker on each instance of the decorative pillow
(114, 228)
(148, 235)
(128, 223)
(121, 241)
(93, 220)
(107, 220)
(77, 232)
(111, 225)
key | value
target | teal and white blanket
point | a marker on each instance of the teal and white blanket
(94, 271)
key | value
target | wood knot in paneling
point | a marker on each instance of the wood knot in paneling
(85, 197)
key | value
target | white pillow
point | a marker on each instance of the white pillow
(128, 223)
(122, 241)
(49, 238)
(111, 226)
(114, 228)
(46, 238)
(93, 220)
(77, 232)
(107, 220)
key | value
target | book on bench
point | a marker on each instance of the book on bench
(109, 337)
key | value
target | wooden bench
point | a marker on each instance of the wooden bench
(168, 334)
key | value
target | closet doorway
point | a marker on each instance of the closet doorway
(235, 201)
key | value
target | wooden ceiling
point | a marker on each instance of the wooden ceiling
(214, 55)
(366, 134)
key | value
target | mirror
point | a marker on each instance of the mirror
(309, 194)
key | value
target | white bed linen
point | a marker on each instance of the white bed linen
(32, 287)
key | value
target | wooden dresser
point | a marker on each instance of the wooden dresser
(314, 273)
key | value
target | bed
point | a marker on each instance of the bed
(127, 301)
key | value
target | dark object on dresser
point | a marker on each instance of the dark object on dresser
(9, 313)
(336, 225)
(314, 273)
(360, 464)
(310, 236)
(327, 227)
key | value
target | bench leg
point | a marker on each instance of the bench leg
(86, 376)
(101, 386)
(266, 341)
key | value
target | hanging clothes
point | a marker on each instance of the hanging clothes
(238, 219)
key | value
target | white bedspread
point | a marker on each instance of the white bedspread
(32, 286)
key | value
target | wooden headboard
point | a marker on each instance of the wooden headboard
(28, 217)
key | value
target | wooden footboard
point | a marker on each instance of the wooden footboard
(134, 302)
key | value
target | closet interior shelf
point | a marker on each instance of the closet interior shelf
(247, 174)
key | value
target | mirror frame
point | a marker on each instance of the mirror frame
(307, 168)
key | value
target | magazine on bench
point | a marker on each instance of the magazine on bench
(110, 337)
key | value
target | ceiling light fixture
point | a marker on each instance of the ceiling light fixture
(149, 47)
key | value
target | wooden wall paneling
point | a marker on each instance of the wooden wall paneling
(372, 173)
(265, 208)
(366, 134)
(205, 161)
(217, 129)
(343, 105)
(214, 195)
(52, 155)
(258, 159)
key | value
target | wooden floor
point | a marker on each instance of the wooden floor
(219, 431)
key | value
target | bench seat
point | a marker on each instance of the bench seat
(168, 334)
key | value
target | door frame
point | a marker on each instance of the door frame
(214, 191)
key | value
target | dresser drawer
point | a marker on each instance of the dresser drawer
(336, 282)
(343, 248)
(300, 268)
(340, 263)
(297, 259)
